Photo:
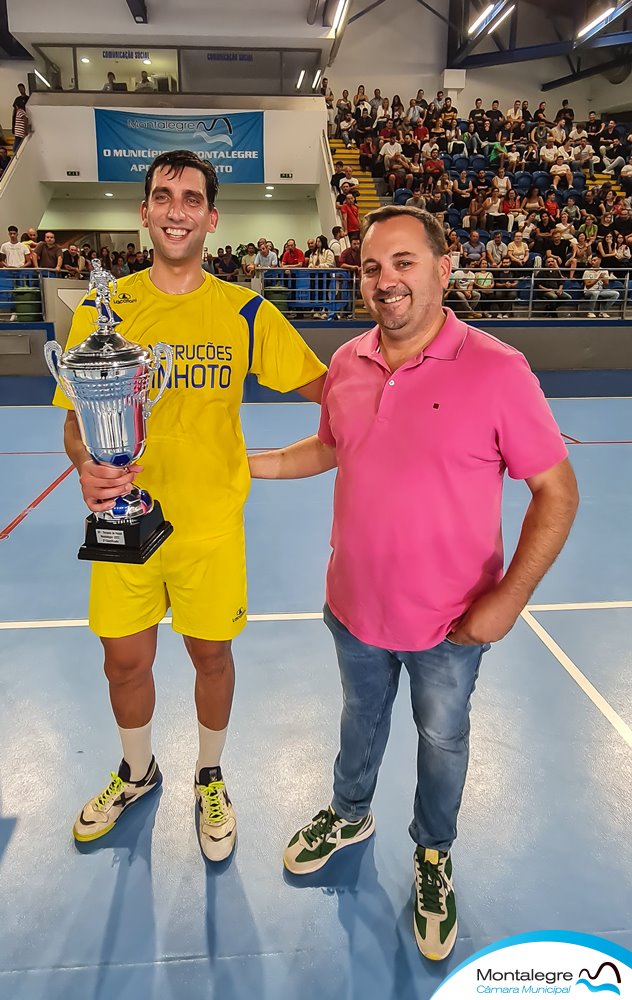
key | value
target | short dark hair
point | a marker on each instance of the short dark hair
(175, 162)
(433, 228)
(12, 229)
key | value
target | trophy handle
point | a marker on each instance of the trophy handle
(160, 351)
(52, 353)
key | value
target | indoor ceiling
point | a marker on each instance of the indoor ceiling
(93, 191)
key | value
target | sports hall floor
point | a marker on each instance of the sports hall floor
(545, 825)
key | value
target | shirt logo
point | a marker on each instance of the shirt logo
(240, 614)
(124, 297)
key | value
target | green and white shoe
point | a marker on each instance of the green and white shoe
(217, 822)
(101, 813)
(434, 920)
(312, 846)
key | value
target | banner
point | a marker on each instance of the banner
(543, 963)
(128, 142)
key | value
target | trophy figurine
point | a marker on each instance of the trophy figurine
(107, 378)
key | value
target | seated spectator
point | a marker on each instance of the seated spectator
(228, 267)
(496, 251)
(506, 292)
(414, 113)
(145, 86)
(139, 263)
(595, 128)
(572, 210)
(613, 156)
(625, 177)
(558, 133)
(72, 263)
(496, 218)
(560, 171)
(433, 168)
(511, 208)
(417, 199)
(450, 112)
(462, 190)
(15, 253)
(364, 129)
(605, 249)
(437, 205)
(495, 117)
(471, 140)
(353, 182)
(343, 105)
(549, 285)
(322, 255)
(293, 256)
(389, 149)
(514, 114)
(477, 114)
(501, 182)
(346, 127)
(119, 266)
(548, 154)
(532, 202)
(376, 100)
(582, 252)
(338, 175)
(108, 86)
(484, 285)
(596, 287)
(551, 205)
(518, 251)
(104, 257)
(383, 113)
(466, 295)
(543, 231)
(565, 227)
(497, 154)
(248, 265)
(477, 215)
(540, 114)
(589, 229)
(266, 257)
(345, 189)
(481, 184)
(584, 156)
(473, 250)
(368, 154)
(47, 255)
(622, 251)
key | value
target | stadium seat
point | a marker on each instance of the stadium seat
(479, 162)
(401, 196)
(447, 160)
(460, 163)
(579, 181)
(542, 180)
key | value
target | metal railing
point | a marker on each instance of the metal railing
(21, 298)
(312, 292)
(533, 293)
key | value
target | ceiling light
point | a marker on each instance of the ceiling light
(597, 20)
(84, 59)
(267, 196)
(42, 78)
(338, 16)
(479, 20)
(146, 62)
(501, 19)
(316, 79)
(269, 187)
(301, 77)
(108, 194)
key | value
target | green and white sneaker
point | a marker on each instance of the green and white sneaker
(314, 844)
(217, 823)
(434, 920)
(101, 813)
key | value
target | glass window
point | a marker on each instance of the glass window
(135, 70)
(55, 68)
(230, 71)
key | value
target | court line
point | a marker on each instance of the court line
(581, 606)
(301, 616)
(34, 503)
(580, 679)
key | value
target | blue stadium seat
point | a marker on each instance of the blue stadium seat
(542, 180)
(401, 196)
(579, 181)
(454, 217)
(571, 192)
(483, 235)
(522, 181)
(479, 162)
(460, 163)
(447, 160)
(463, 234)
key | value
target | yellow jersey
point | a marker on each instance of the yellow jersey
(195, 460)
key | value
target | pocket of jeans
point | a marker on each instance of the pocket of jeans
(461, 645)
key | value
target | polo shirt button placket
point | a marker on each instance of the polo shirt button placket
(391, 381)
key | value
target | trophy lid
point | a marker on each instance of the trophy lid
(105, 348)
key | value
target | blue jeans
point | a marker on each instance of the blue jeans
(442, 680)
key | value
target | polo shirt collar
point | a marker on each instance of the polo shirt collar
(446, 346)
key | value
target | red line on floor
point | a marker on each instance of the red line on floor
(27, 510)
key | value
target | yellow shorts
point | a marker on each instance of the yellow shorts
(203, 581)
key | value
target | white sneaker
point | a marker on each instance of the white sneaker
(605, 315)
(218, 823)
(101, 813)
(591, 315)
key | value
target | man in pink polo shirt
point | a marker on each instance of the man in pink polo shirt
(421, 416)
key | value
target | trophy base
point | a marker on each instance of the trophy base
(128, 541)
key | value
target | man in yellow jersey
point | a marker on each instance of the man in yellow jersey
(195, 462)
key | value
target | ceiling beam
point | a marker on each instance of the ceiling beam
(515, 55)
(361, 13)
(583, 74)
(476, 36)
(607, 41)
(138, 10)
(621, 8)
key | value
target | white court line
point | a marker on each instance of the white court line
(299, 616)
(587, 606)
(303, 616)
(589, 690)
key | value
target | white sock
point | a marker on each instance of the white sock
(137, 750)
(211, 745)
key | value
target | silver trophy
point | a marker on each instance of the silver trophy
(108, 379)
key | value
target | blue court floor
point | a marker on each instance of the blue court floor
(544, 838)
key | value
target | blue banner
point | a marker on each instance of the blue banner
(128, 142)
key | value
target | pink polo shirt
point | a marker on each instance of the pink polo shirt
(422, 452)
